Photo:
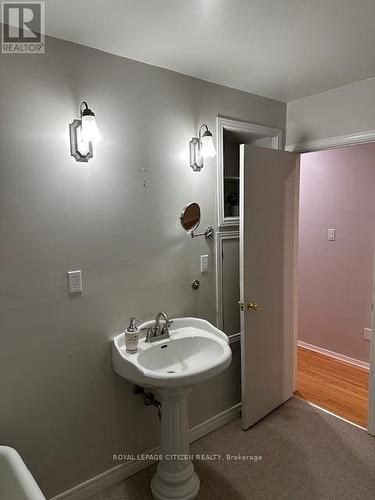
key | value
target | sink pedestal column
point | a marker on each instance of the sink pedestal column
(175, 478)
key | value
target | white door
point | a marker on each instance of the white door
(268, 262)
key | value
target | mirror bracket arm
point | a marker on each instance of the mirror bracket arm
(208, 233)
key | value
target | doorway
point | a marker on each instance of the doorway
(335, 279)
(221, 299)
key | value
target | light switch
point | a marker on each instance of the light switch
(331, 234)
(204, 263)
(74, 282)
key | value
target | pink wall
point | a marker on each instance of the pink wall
(335, 278)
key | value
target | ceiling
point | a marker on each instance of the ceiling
(282, 49)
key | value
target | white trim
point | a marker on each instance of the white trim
(371, 400)
(214, 423)
(332, 142)
(220, 237)
(120, 472)
(336, 355)
(261, 131)
(330, 413)
(295, 269)
(102, 481)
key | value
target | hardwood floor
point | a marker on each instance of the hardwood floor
(336, 386)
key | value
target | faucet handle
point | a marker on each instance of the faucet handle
(150, 333)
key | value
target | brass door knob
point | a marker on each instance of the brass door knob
(251, 306)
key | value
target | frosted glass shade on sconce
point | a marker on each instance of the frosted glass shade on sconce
(84, 133)
(201, 147)
(89, 129)
(208, 149)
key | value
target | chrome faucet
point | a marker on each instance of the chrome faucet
(159, 331)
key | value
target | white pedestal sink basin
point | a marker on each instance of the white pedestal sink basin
(195, 351)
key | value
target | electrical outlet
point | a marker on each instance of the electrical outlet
(74, 282)
(204, 263)
(367, 333)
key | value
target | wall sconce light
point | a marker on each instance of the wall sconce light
(201, 147)
(83, 134)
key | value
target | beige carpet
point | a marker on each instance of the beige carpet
(307, 454)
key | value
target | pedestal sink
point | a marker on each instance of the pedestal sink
(195, 351)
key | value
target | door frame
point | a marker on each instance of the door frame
(221, 236)
(324, 145)
(239, 126)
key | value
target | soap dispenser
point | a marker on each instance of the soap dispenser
(131, 337)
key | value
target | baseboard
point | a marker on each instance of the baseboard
(336, 355)
(118, 473)
(214, 423)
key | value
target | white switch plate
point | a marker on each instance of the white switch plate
(332, 234)
(204, 263)
(367, 333)
(75, 282)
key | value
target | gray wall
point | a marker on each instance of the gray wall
(342, 111)
(62, 406)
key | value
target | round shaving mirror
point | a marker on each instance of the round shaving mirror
(190, 217)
